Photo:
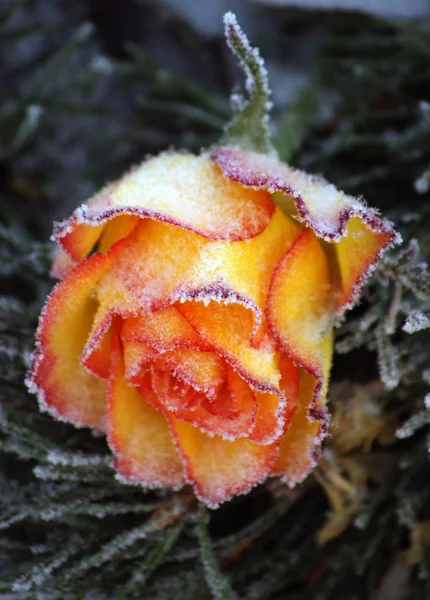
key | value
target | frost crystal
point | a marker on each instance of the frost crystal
(417, 421)
(387, 360)
(416, 321)
(249, 126)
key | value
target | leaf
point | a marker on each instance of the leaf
(387, 359)
(413, 424)
(404, 268)
(417, 279)
(249, 126)
(28, 127)
(215, 579)
(155, 557)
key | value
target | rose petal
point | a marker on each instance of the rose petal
(164, 330)
(299, 302)
(172, 394)
(204, 371)
(242, 269)
(138, 358)
(97, 356)
(65, 387)
(273, 416)
(300, 445)
(154, 261)
(228, 328)
(219, 468)
(141, 281)
(116, 230)
(326, 210)
(182, 370)
(357, 252)
(139, 435)
(61, 264)
(183, 189)
(229, 415)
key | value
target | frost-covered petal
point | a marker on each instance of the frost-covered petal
(140, 281)
(243, 268)
(154, 261)
(299, 303)
(300, 445)
(138, 434)
(144, 280)
(138, 358)
(219, 468)
(164, 330)
(61, 264)
(272, 416)
(357, 252)
(360, 234)
(224, 404)
(96, 356)
(65, 387)
(183, 189)
(201, 371)
(230, 415)
(228, 328)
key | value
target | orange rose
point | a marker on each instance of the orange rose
(196, 327)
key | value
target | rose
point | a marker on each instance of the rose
(195, 327)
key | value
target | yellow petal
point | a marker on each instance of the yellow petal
(300, 445)
(299, 306)
(139, 435)
(182, 189)
(219, 468)
(65, 387)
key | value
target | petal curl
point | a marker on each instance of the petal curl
(322, 207)
(300, 445)
(183, 189)
(272, 417)
(96, 356)
(164, 330)
(230, 415)
(228, 328)
(139, 435)
(138, 358)
(65, 387)
(357, 253)
(299, 302)
(243, 268)
(203, 372)
(154, 261)
(61, 264)
(219, 468)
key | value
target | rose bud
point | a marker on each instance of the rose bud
(193, 324)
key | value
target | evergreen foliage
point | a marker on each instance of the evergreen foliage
(72, 117)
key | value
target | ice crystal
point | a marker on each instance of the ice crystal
(416, 321)
(249, 126)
